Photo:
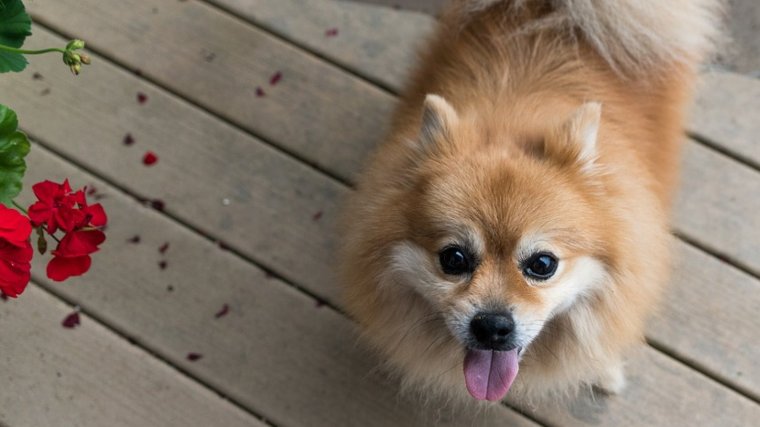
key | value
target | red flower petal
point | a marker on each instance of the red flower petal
(332, 32)
(223, 312)
(150, 158)
(142, 98)
(276, 77)
(14, 277)
(71, 321)
(46, 191)
(194, 356)
(128, 139)
(97, 215)
(69, 219)
(60, 269)
(79, 243)
(14, 227)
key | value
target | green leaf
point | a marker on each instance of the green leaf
(14, 146)
(15, 26)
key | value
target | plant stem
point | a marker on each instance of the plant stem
(19, 207)
(31, 52)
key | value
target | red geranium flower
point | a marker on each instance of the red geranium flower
(72, 256)
(59, 207)
(15, 252)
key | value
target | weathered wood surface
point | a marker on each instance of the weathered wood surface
(726, 114)
(89, 376)
(710, 319)
(272, 198)
(720, 96)
(277, 352)
(170, 41)
(375, 42)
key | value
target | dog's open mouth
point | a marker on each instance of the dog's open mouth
(489, 374)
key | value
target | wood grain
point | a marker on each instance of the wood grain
(725, 113)
(88, 376)
(272, 199)
(375, 42)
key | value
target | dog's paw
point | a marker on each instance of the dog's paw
(612, 380)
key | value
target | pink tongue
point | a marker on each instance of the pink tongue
(489, 374)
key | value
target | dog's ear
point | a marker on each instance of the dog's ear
(575, 140)
(438, 120)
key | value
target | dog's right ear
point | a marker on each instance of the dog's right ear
(438, 120)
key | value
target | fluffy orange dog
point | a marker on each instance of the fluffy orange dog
(517, 216)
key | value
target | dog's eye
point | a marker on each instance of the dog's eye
(456, 261)
(540, 266)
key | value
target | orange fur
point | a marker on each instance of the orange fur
(499, 160)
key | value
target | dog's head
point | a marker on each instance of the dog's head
(502, 235)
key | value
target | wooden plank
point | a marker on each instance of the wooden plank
(719, 113)
(725, 113)
(272, 222)
(718, 207)
(709, 319)
(649, 400)
(277, 352)
(88, 376)
(363, 42)
(271, 199)
(221, 70)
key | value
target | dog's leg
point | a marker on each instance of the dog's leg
(612, 378)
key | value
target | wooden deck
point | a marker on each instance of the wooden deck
(251, 186)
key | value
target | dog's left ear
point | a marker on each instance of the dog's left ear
(438, 120)
(575, 140)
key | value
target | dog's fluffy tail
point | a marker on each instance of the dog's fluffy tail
(631, 35)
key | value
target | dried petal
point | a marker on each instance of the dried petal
(260, 92)
(317, 216)
(71, 321)
(276, 77)
(163, 248)
(194, 356)
(134, 239)
(150, 158)
(223, 311)
(332, 32)
(142, 98)
(128, 139)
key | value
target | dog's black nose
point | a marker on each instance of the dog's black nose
(493, 330)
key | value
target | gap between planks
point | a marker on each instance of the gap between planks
(135, 342)
(54, 29)
(346, 183)
(358, 73)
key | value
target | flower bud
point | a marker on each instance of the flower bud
(75, 44)
(85, 58)
(75, 68)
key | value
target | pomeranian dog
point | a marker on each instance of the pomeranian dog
(516, 218)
